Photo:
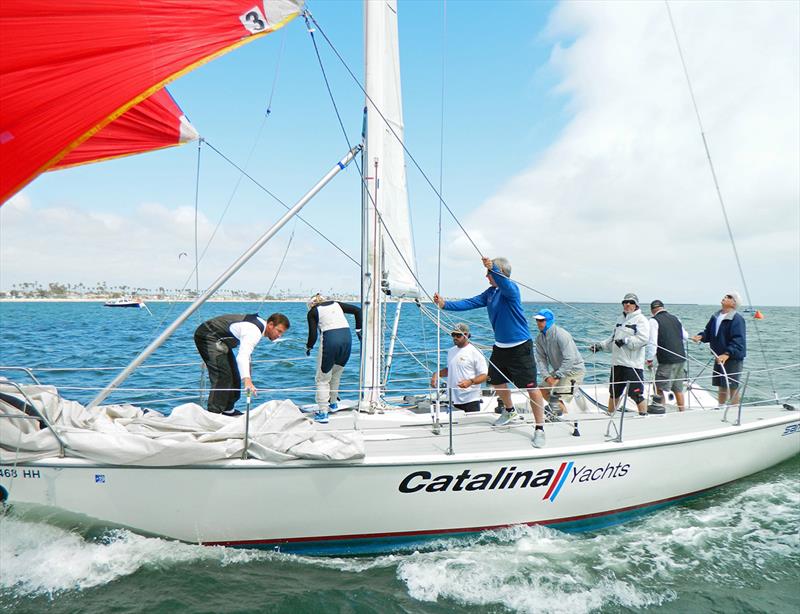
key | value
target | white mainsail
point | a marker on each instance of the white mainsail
(387, 249)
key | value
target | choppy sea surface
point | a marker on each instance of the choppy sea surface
(735, 550)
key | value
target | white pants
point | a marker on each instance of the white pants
(327, 383)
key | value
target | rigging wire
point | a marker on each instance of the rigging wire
(277, 199)
(196, 213)
(280, 266)
(716, 185)
(392, 130)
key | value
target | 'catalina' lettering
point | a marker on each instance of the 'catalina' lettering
(479, 482)
(510, 478)
(404, 485)
(439, 484)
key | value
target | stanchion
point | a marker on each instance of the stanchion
(246, 426)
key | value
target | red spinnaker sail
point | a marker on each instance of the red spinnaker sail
(154, 123)
(69, 69)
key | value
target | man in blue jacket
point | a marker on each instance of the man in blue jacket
(512, 355)
(726, 334)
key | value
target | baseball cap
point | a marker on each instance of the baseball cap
(736, 297)
(460, 328)
(655, 304)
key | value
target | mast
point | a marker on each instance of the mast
(387, 247)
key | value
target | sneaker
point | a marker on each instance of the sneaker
(550, 415)
(333, 406)
(506, 417)
(321, 417)
(232, 412)
(538, 439)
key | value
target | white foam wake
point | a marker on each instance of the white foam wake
(641, 564)
(40, 559)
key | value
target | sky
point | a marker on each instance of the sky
(563, 132)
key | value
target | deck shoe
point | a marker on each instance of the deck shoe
(321, 417)
(538, 439)
(506, 418)
(232, 412)
(656, 409)
(550, 415)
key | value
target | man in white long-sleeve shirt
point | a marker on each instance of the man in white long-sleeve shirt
(215, 340)
(667, 337)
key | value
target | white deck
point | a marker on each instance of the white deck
(399, 436)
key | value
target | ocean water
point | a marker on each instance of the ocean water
(735, 550)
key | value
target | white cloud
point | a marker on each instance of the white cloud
(141, 248)
(623, 199)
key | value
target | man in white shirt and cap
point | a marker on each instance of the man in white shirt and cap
(466, 370)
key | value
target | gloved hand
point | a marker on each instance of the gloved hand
(358, 333)
(595, 347)
(632, 327)
(619, 342)
(308, 351)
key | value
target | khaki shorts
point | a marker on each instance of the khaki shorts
(670, 376)
(566, 386)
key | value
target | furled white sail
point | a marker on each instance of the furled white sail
(385, 157)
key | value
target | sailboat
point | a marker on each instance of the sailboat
(387, 476)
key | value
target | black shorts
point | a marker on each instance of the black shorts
(467, 407)
(622, 377)
(734, 370)
(515, 365)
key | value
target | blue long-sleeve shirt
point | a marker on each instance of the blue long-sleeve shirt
(504, 307)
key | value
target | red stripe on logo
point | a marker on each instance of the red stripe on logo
(554, 482)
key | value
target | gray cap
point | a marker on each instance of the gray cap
(736, 298)
(460, 328)
(630, 296)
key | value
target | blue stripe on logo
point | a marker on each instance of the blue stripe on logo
(561, 482)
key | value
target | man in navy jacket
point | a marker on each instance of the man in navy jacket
(726, 333)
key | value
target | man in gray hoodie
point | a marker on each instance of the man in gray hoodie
(559, 360)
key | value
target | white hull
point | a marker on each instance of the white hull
(357, 507)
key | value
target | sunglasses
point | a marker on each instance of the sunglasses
(456, 335)
(628, 302)
(728, 296)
